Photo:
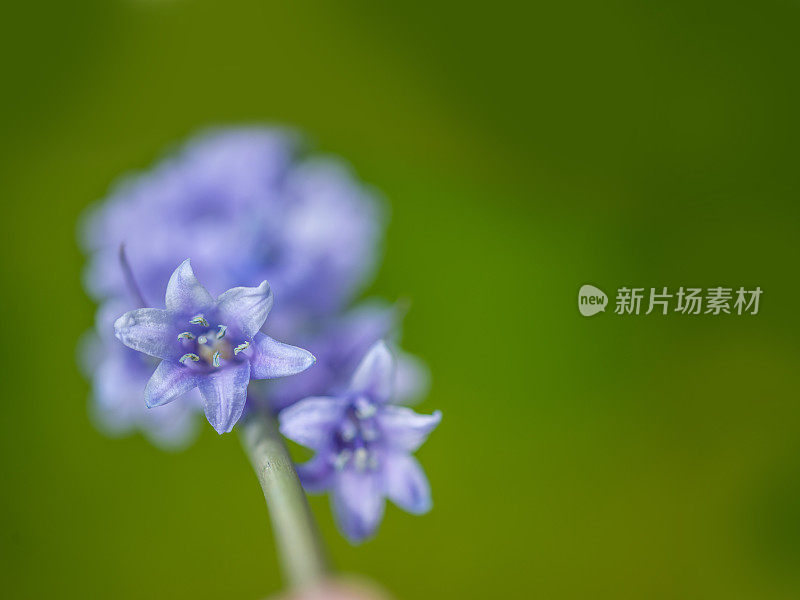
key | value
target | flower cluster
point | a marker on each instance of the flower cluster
(245, 206)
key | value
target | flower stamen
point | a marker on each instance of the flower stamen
(199, 320)
(365, 409)
(361, 459)
(348, 431)
(341, 460)
(189, 356)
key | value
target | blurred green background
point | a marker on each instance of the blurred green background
(526, 150)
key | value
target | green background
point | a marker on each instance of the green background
(525, 152)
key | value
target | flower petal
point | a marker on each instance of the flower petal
(184, 293)
(404, 429)
(272, 359)
(224, 394)
(405, 482)
(148, 330)
(169, 381)
(317, 473)
(374, 376)
(311, 421)
(246, 307)
(358, 503)
(174, 430)
(412, 379)
(118, 405)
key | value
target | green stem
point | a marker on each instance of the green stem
(300, 551)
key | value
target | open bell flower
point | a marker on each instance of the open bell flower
(364, 447)
(213, 345)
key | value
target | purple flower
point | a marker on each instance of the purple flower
(213, 345)
(198, 202)
(244, 205)
(363, 447)
(243, 208)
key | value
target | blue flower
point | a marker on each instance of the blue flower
(213, 345)
(243, 208)
(244, 205)
(363, 447)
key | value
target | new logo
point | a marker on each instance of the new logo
(591, 300)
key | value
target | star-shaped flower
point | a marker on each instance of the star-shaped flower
(363, 447)
(214, 345)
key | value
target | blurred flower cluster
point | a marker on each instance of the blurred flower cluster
(244, 205)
